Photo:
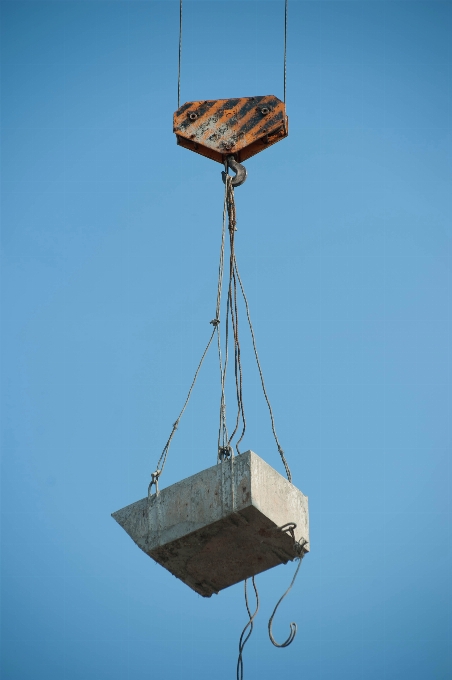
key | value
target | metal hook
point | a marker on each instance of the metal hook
(238, 168)
(288, 528)
(293, 626)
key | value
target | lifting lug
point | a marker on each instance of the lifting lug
(238, 168)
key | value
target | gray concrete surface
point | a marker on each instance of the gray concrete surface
(220, 526)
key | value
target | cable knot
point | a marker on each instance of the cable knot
(224, 453)
(300, 549)
(154, 482)
(215, 322)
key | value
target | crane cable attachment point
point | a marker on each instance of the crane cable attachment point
(238, 168)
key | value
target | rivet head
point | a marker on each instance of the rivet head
(193, 115)
(265, 110)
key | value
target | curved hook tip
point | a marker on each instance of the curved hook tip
(238, 168)
(293, 626)
(290, 639)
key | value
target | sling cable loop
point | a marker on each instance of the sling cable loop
(224, 450)
(164, 455)
(280, 450)
(250, 624)
(234, 277)
(232, 312)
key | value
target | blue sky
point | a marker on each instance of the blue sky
(110, 239)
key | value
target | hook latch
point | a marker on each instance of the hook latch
(238, 168)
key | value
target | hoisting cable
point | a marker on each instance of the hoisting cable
(250, 624)
(285, 47)
(286, 6)
(180, 53)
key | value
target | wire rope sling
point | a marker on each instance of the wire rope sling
(258, 519)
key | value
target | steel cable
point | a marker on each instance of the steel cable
(281, 452)
(293, 626)
(164, 454)
(250, 624)
(216, 329)
(285, 47)
(180, 53)
(222, 431)
(232, 311)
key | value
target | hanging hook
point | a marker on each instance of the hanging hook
(293, 626)
(238, 168)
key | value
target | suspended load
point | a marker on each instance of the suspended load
(222, 525)
(240, 517)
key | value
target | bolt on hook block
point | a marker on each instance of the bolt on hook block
(222, 525)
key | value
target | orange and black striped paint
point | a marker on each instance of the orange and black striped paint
(241, 127)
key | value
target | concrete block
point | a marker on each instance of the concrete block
(220, 526)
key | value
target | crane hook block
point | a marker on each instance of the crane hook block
(218, 128)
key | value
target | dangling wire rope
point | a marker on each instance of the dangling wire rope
(232, 311)
(293, 626)
(250, 624)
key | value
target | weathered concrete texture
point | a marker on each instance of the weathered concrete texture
(220, 526)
